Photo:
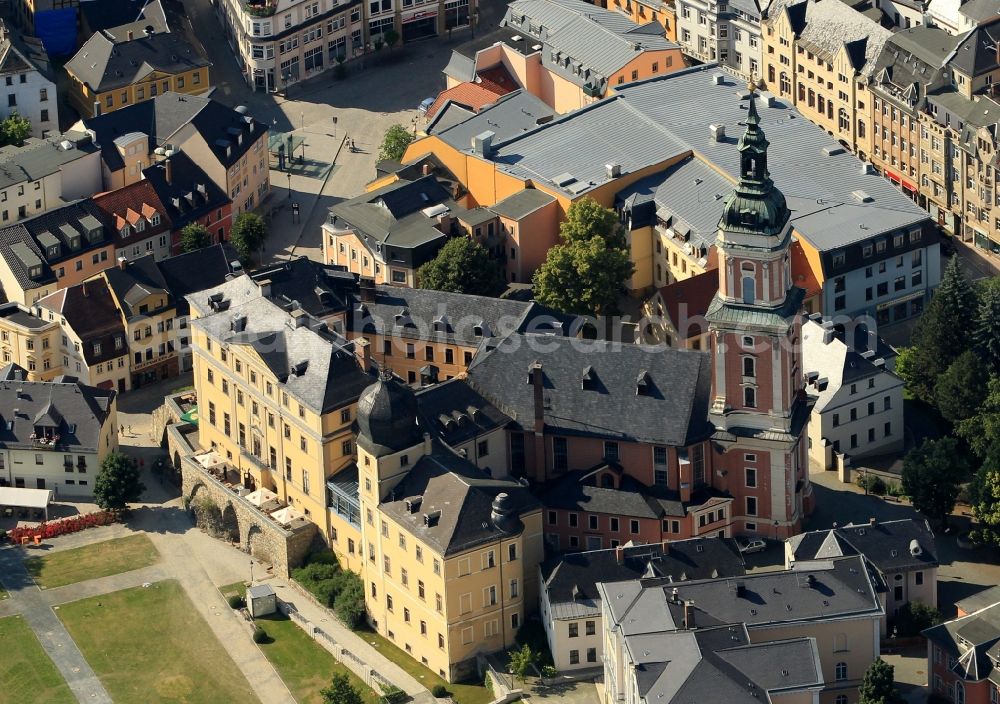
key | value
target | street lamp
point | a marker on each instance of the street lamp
(251, 571)
(289, 175)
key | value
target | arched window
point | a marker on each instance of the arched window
(861, 129)
(749, 366)
(749, 397)
(841, 671)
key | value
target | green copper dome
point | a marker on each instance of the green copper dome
(755, 206)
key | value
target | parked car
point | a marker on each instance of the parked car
(425, 105)
(748, 546)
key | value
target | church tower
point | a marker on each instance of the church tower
(758, 404)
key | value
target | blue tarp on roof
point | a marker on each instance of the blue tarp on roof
(57, 30)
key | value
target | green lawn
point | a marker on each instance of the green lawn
(304, 665)
(474, 693)
(27, 676)
(150, 646)
(234, 589)
(92, 561)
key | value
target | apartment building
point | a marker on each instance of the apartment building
(43, 174)
(137, 217)
(823, 619)
(859, 400)
(227, 144)
(277, 391)
(56, 249)
(94, 345)
(901, 553)
(28, 80)
(723, 32)
(29, 342)
(54, 434)
(452, 554)
(109, 72)
(662, 12)
(280, 42)
(962, 657)
(819, 56)
(570, 603)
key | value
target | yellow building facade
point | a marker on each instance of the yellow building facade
(29, 342)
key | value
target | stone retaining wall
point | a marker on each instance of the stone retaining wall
(227, 515)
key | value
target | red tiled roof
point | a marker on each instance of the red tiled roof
(498, 79)
(687, 301)
(125, 204)
(472, 95)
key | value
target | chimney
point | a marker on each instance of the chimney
(619, 554)
(427, 169)
(130, 35)
(265, 288)
(427, 443)
(83, 289)
(613, 170)
(689, 623)
(363, 350)
(122, 263)
(871, 521)
(482, 144)
(169, 172)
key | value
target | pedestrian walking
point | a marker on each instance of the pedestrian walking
(121, 430)
(130, 429)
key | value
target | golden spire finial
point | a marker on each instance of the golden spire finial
(752, 85)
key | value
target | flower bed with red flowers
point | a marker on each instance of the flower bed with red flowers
(53, 529)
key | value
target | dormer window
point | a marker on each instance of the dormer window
(140, 225)
(125, 231)
(155, 220)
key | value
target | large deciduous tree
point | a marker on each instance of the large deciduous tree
(194, 236)
(247, 234)
(462, 266)
(397, 138)
(341, 691)
(14, 129)
(585, 273)
(932, 476)
(117, 483)
(879, 684)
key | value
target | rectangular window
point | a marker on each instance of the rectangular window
(751, 505)
(751, 475)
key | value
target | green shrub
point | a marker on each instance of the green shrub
(488, 683)
(549, 671)
(532, 633)
(391, 694)
(235, 601)
(914, 618)
(875, 484)
(314, 573)
(323, 557)
(259, 635)
(350, 603)
(439, 691)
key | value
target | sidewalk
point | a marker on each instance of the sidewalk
(323, 618)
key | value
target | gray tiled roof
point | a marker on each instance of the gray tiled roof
(972, 641)
(522, 203)
(599, 40)
(665, 118)
(105, 64)
(331, 376)
(78, 411)
(20, 316)
(571, 580)
(456, 412)
(673, 411)
(976, 53)
(887, 545)
(463, 496)
(979, 10)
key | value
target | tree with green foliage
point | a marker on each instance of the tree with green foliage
(397, 138)
(879, 684)
(982, 430)
(984, 495)
(960, 390)
(932, 477)
(943, 332)
(195, 236)
(585, 273)
(462, 266)
(522, 661)
(349, 604)
(117, 483)
(341, 691)
(987, 332)
(14, 130)
(247, 234)
(914, 618)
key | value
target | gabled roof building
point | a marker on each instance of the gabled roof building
(29, 82)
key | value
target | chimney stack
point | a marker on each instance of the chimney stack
(427, 444)
(83, 289)
(363, 350)
(689, 621)
(130, 35)
(619, 554)
(871, 521)
(122, 263)
(169, 171)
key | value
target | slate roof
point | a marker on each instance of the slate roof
(423, 314)
(138, 279)
(37, 158)
(511, 115)
(973, 641)
(886, 545)
(190, 194)
(668, 117)
(21, 54)
(20, 246)
(456, 412)
(318, 289)
(460, 66)
(821, 591)
(462, 497)
(671, 411)
(109, 14)
(331, 377)
(976, 53)
(570, 581)
(90, 311)
(78, 410)
(721, 664)
(161, 117)
(601, 42)
(104, 64)
(191, 272)
(979, 10)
